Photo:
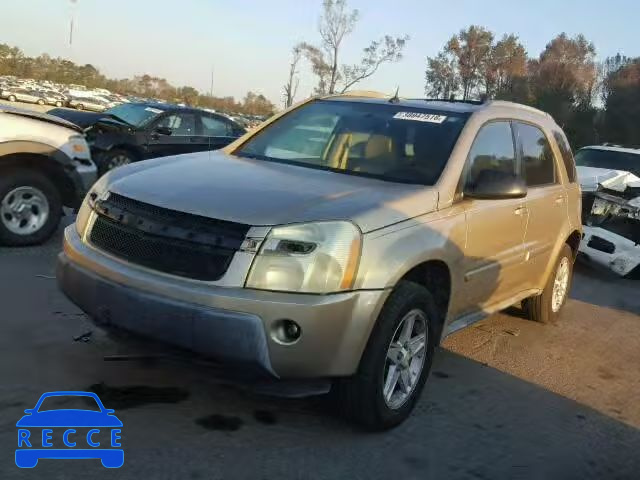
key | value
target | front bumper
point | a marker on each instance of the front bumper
(229, 324)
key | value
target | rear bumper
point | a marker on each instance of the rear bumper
(229, 324)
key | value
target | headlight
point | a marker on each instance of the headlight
(317, 257)
(95, 193)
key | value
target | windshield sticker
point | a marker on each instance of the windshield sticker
(420, 117)
(153, 110)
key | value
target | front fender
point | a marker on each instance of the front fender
(35, 148)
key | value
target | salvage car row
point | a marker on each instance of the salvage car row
(47, 162)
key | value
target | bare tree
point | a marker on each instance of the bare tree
(388, 49)
(291, 87)
(336, 22)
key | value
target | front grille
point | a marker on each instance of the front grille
(166, 240)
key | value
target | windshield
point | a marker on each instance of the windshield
(610, 159)
(69, 402)
(385, 141)
(135, 114)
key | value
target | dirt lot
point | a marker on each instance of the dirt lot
(506, 399)
(591, 356)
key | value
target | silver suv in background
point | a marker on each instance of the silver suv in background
(45, 164)
(342, 240)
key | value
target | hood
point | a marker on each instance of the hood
(69, 418)
(255, 192)
(618, 180)
(81, 118)
(41, 116)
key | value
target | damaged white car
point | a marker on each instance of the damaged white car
(610, 181)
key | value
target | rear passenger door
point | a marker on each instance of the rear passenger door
(546, 199)
(494, 255)
(215, 132)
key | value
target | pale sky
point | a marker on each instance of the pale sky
(248, 42)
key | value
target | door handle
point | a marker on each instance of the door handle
(559, 199)
(520, 210)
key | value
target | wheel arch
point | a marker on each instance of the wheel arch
(47, 164)
(435, 276)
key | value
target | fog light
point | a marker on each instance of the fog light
(286, 331)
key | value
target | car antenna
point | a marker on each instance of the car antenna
(395, 98)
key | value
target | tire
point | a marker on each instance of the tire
(361, 397)
(47, 198)
(12, 98)
(40, 102)
(113, 159)
(541, 308)
(79, 106)
(58, 103)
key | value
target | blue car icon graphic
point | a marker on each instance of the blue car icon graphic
(36, 431)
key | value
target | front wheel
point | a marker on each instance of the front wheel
(396, 362)
(79, 107)
(30, 207)
(546, 307)
(40, 102)
(58, 103)
(12, 98)
(113, 159)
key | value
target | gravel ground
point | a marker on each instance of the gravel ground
(506, 399)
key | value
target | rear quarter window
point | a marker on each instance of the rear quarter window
(567, 156)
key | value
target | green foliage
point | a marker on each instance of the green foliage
(564, 80)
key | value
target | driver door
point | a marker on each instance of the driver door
(182, 137)
(494, 261)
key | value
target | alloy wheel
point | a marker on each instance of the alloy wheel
(405, 359)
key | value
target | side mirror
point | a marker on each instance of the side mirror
(29, 411)
(109, 411)
(496, 185)
(163, 130)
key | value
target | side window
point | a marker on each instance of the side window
(214, 127)
(181, 124)
(567, 156)
(493, 150)
(537, 157)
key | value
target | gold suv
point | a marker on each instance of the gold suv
(342, 240)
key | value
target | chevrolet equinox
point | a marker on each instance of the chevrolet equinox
(342, 240)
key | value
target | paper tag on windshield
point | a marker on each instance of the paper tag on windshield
(420, 117)
(153, 110)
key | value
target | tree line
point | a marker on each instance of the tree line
(13, 61)
(594, 102)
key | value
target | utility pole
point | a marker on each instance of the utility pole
(211, 87)
(73, 4)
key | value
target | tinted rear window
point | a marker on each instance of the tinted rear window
(567, 156)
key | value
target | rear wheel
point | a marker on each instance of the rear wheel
(113, 159)
(58, 103)
(40, 102)
(546, 307)
(30, 207)
(12, 98)
(79, 106)
(396, 362)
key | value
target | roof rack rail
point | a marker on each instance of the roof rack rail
(455, 100)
